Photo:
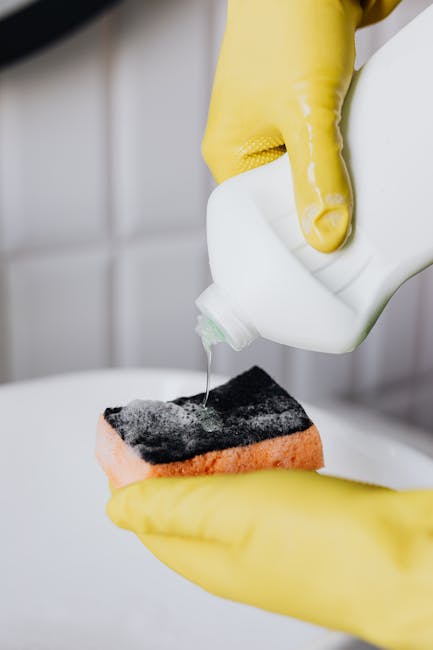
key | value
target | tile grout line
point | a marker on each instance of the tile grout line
(117, 243)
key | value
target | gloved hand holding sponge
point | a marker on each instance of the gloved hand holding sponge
(345, 555)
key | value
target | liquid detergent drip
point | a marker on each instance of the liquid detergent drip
(208, 370)
(210, 335)
(267, 281)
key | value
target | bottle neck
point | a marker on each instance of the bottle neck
(221, 321)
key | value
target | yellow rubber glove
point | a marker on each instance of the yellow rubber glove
(344, 555)
(284, 69)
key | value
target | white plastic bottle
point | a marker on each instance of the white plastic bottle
(268, 282)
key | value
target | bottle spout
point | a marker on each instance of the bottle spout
(222, 321)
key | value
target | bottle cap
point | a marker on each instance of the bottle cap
(238, 331)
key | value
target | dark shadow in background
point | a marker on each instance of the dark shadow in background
(42, 22)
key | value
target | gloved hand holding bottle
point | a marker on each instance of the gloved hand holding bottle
(284, 70)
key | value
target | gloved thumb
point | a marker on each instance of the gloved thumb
(321, 181)
(174, 507)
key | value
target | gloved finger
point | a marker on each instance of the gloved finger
(321, 181)
(189, 507)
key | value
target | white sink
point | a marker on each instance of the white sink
(70, 579)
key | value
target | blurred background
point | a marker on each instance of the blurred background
(102, 208)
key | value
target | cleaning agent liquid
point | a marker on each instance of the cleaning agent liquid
(210, 335)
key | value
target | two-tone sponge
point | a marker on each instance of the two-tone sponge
(249, 423)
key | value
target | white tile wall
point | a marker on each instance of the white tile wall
(159, 75)
(53, 145)
(58, 307)
(155, 285)
(102, 205)
(262, 353)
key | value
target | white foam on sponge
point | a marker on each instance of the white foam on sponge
(148, 415)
